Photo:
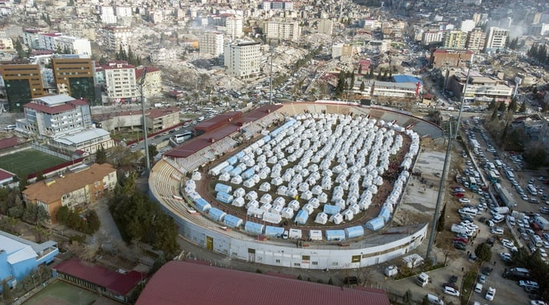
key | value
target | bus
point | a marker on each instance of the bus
(494, 176)
(472, 183)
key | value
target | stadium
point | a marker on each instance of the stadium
(303, 185)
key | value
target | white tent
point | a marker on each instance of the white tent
(314, 202)
(279, 201)
(276, 209)
(282, 190)
(239, 192)
(224, 177)
(265, 187)
(317, 189)
(197, 175)
(266, 198)
(323, 198)
(321, 218)
(337, 218)
(272, 217)
(236, 179)
(277, 181)
(256, 212)
(294, 205)
(287, 213)
(348, 214)
(307, 195)
(252, 195)
(252, 204)
(266, 207)
(238, 202)
(308, 208)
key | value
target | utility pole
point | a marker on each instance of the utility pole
(145, 140)
(271, 77)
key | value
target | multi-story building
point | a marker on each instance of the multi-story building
(242, 59)
(325, 26)
(116, 36)
(19, 257)
(23, 82)
(454, 40)
(277, 5)
(56, 42)
(233, 26)
(211, 43)
(5, 41)
(74, 45)
(157, 119)
(152, 84)
(77, 188)
(480, 88)
(120, 82)
(476, 39)
(163, 54)
(450, 58)
(467, 25)
(282, 30)
(55, 116)
(432, 36)
(123, 11)
(496, 39)
(74, 76)
(107, 15)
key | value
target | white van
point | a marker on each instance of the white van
(478, 288)
(532, 190)
(182, 137)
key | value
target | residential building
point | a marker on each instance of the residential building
(496, 39)
(152, 84)
(243, 59)
(110, 283)
(468, 25)
(325, 26)
(23, 82)
(56, 41)
(74, 76)
(432, 36)
(163, 54)
(120, 82)
(454, 40)
(157, 119)
(73, 45)
(6, 178)
(480, 88)
(107, 15)
(116, 36)
(282, 30)
(79, 187)
(277, 5)
(450, 58)
(19, 257)
(5, 42)
(344, 51)
(211, 43)
(476, 39)
(233, 26)
(123, 11)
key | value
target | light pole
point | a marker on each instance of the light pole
(463, 95)
(271, 76)
(145, 141)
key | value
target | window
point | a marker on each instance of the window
(277, 261)
(297, 264)
(355, 259)
(306, 257)
(314, 263)
(334, 264)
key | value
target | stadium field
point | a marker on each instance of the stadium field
(28, 161)
(61, 293)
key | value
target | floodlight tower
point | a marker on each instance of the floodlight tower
(145, 141)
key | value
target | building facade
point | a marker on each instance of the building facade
(480, 88)
(233, 27)
(282, 30)
(74, 76)
(23, 82)
(120, 82)
(450, 58)
(455, 40)
(152, 84)
(243, 59)
(116, 36)
(476, 39)
(81, 186)
(211, 43)
(325, 26)
(496, 39)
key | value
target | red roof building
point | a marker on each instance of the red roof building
(112, 284)
(180, 282)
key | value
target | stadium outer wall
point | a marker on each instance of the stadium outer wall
(349, 254)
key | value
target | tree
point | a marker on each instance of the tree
(62, 214)
(522, 107)
(18, 46)
(535, 155)
(6, 292)
(513, 106)
(408, 298)
(483, 252)
(362, 86)
(40, 176)
(153, 151)
(494, 114)
(501, 107)
(492, 105)
(100, 155)
(441, 220)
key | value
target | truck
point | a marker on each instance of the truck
(459, 229)
(501, 210)
(506, 197)
(422, 279)
(541, 222)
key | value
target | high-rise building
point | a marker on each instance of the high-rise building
(243, 59)
(325, 26)
(74, 76)
(233, 26)
(117, 36)
(282, 30)
(211, 43)
(454, 40)
(476, 40)
(450, 58)
(23, 82)
(120, 82)
(496, 39)
(432, 36)
(467, 25)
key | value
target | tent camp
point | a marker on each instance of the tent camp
(274, 231)
(315, 234)
(224, 197)
(335, 235)
(202, 205)
(253, 227)
(220, 187)
(375, 224)
(272, 217)
(216, 214)
(301, 217)
(232, 221)
(352, 232)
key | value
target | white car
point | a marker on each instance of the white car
(451, 291)
(509, 245)
(542, 252)
(464, 200)
(491, 293)
(506, 257)
(496, 230)
(537, 302)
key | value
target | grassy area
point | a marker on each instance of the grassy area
(467, 287)
(62, 293)
(28, 161)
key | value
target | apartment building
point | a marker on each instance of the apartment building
(454, 40)
(476, 39)
(233, 26)
(107, 15)
(480, 88)
(450, 58)
(56, 41)
(74, 76)
(5, 41)
(116, 36)
(243, 59)
(23, 82)
(152, 84)
(282, 30)
(120, 82)
(163, 54)
(496, 39)
(79, 187)
(325, 26)
(277, 5)
(432, 36)
(211, 43)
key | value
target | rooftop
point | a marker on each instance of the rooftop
(200, 284)
(16, 250)
(50, 192)
(83, 136)
(5, 175)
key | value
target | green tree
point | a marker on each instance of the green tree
(483, 252)
(501, 107)
(100, 155)
(40, 176)
(441, 220)
(513, 105)
(408, 297)
(362, 86)
(6, 292)
(535, 155)
(18, 46)
(492, 105)
(62, 214)
(494, 114)
(93, 221)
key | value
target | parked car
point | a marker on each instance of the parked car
(490, 294)
(451, 291)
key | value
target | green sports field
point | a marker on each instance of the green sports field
(61, 293)
(28, 161)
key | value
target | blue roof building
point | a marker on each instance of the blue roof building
(406, 79)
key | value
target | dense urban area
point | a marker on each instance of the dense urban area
(155, 152)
